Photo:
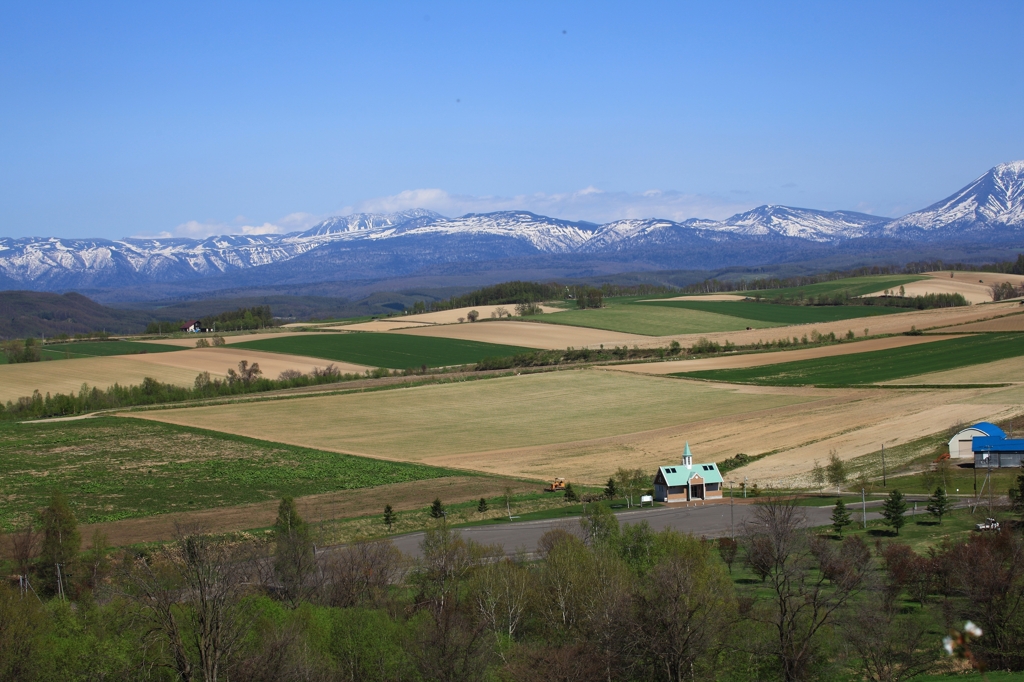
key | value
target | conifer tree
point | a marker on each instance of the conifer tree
(840, 517)
(437, 509)
(570, 494)
(482, 506)
(389, 516)
(938, 504)
(609, 490)
(893, 509)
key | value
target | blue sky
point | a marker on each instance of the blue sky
(132, 118)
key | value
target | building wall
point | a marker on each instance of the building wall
(1000, 460)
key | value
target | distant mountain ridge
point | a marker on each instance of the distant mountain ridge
(377, 246)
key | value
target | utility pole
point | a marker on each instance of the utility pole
(863, 509)
(732, 515)
(883, 465)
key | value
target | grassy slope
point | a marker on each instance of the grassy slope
(779, 314)
(855, 286)
(395, 351)
(113, 468)
(92, 349)
(876, 366)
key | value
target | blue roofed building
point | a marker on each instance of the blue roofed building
(687, 481)
(997, 453)
(960, 444)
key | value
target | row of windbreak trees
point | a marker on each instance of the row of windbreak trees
(257, 317)
(513, 293)
(597, 602)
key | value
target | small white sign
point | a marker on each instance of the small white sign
(646, 498)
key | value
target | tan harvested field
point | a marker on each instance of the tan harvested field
(1010, 370)
(883, 324)
(528, 334)
(427, 422)
(379, 325)
(336, 505)
(759, 359)
(217, 361)
(585, 424)
(1009, 323)
(704, 297)
(975, 286)
(66, 376)
(228, 339)
(452, 316)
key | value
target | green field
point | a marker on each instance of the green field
(394, 351)
(876, 366)
(854, 286)
(115, 468)
(761, 314)
(92, 349)
(653, 320)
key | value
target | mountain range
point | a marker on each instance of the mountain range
(373, 247)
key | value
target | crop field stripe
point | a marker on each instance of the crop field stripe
(394, 351)
(876, 366)
(95, 349)
(780, 313)
(855, 286)
(652, 320)
(115, 468)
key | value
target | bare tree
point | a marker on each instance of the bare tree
(360, 574)
(802, 601)
(24, 548)
(890, 647)
(192, 594)
(502, 591)
(686, 601)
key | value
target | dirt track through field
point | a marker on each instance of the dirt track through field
(704, 297)
(529, 334)
(760, 359)
(312, 508)
(217, 361)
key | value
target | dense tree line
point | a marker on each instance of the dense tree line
(596, 601)
(256, 317)
(513, 293)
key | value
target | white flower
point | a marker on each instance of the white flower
(947, 644)
(972, 629)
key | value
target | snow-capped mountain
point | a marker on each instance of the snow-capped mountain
(377, 246)
(993, 203)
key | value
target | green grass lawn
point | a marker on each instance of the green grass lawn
(652, 320)
(92, 349)
(115, 468)
(876, 366)
(394, 351)
(780, 314)
(855, 286)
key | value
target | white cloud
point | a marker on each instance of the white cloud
(590, 204)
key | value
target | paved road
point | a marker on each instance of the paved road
(712, 520)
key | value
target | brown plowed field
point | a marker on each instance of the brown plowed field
(217, 361)
(759, 359)
(66, 376)
(1009, 323)
(313, 508)
(974, 286)
(378, 325)
(452, 316)
(1010, 370)
(704, 297)
(528, 334)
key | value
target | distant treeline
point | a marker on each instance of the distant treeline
(925, 302)
(511, 293)
(257, 317)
